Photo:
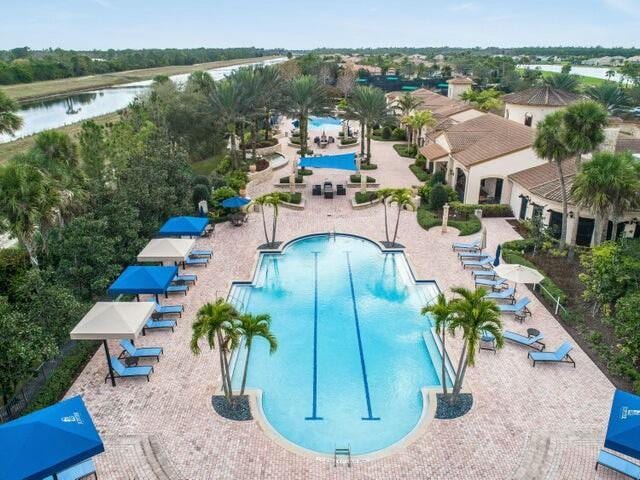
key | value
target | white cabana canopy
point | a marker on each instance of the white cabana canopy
(518, 273)
(166, 250)
(113, 320)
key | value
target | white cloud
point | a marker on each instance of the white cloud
(463, 7)
(626, 6)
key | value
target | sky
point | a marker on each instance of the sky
(302, 24)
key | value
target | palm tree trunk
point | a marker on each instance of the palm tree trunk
(444, 367)
(369, 127)
(243, 143)
(565, 210)
(456, 391)
(578, 161)
(246, 368)
(254, 138)
(267, 124)
(460, 363)
(395, 233)
(31, 250)
(614, 229)
(303, 134)
(362, 145)
(264, 224)
(386, 220)
(222, 374)
(224, 367)
(234, 156)
(275, 223)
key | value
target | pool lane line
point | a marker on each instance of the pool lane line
(314, 414)
(360, 348)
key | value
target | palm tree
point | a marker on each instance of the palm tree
(274, 200)
(440, 311)
(403, 198)
(406, 103)
(421, 120)
(263, 201)
(9, 121)
(270, 99)
(383, 194)
(609, 95)
(369, 104)
(216, 322)
(610, 74)
(609, 184)
(584, 124)
(227, 103)
(200, 82)
(474, 314)
(563, 81)
(305, 96)
(27, 201)
(548, 144)
(254, 326)
(485, 100)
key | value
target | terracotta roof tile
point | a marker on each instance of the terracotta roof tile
(433, 151)
(544, 181)
(628, 145)
(546, 96)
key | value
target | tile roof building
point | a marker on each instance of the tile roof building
(530, 106)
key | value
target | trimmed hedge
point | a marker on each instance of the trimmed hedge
(356, 179)
(365, 197)
(304, 172)
(368, 166)
(348, 141)
(286, 179)
(428, 219)
(488, 210)
(294, 198)
(405, 151)
(420, 173)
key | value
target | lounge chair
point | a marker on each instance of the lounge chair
(188, 278)
(176, 289)
(121, 371)
(471, 256)
(493, 284)
(618, 464)
(191, 262)
(484, 273)
(484, 263)
(523, 340)
(145, 352)
(169, 309)
(201, 253)
(519, 309)
(561, 355)
(475, 245)
(158, 325)
(506, 294)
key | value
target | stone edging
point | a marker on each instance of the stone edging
(295, 206)
(360, 206)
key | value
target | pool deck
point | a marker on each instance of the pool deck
(546, 422)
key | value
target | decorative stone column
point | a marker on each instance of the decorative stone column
(292, 183)
(445, 217)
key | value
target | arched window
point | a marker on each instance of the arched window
(528, 119)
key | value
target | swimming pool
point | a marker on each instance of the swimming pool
(352, 356)
(324, 122)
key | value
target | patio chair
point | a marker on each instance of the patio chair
(201, 253)
(187, 278)
(119, 370)
(506, 294)
(475, 245)
(176, 289)
(191, 262)
(524, 340)
(519, 309)
(484, 263)
(169, 310)
(483, 273)
(493, 284)
(462, 256)
(618, 464)
(145, 352)
(561, 355)
(316, 190)
(158, 325)
(340, 190)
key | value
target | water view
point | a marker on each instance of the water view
(59, 111)
(595, 72)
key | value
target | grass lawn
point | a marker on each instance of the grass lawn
(208, 165)
(30, 91)
(401, 149)
(584, 81)
(429, 219)
(10, 149)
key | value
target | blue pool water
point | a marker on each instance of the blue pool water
(352, 354)
(324, 122)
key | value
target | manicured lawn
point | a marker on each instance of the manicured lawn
(429, 219)
(205, 167)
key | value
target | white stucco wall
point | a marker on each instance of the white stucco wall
(455, 90)
(517, 113)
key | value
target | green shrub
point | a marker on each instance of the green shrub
(438, 197)
(200, 192)
(420, 173)
(428, 219)
(365, 197)
(299, 179)
(355, 178)
(368, 166)
(437, 177)
(236, 179)
(421, 161)
(399, 134)
(305, 171)
(348, 141)
(387, 132)
(221, 194)
(488, 210)
(201, 180)
(294, 198)
(406, 151)
(13, 263)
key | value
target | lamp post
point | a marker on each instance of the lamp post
(445, 217)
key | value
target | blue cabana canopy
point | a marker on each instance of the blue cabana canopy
(142, 279)
(344, 161)
(184, 226)
(623, 433)
(235, 202)
(48, 441)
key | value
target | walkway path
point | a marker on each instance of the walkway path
(526, 423)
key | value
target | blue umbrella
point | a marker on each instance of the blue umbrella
(235, 202)
(623, 433)
(496, 262)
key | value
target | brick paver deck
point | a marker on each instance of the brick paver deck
(525, 423)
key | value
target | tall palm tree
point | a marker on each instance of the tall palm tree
(383, 194)
(263, 201)
(440, 311)
(216, 323)
(251, 327)
(563, 81)
(27, 201)
(423, 119)
(609, 184)
(609, 95)
(549, 144)
(305, 96)
(370, 106)
(405, 104)
(228, 104)
(402, 197)
(200, 82)
(584, 127)
(474, 314)
(9, 120)
(271, 94)
(273, 200)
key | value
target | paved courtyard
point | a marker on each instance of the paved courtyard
(546, 422)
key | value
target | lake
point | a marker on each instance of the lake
(596, 72)
(56, 112)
